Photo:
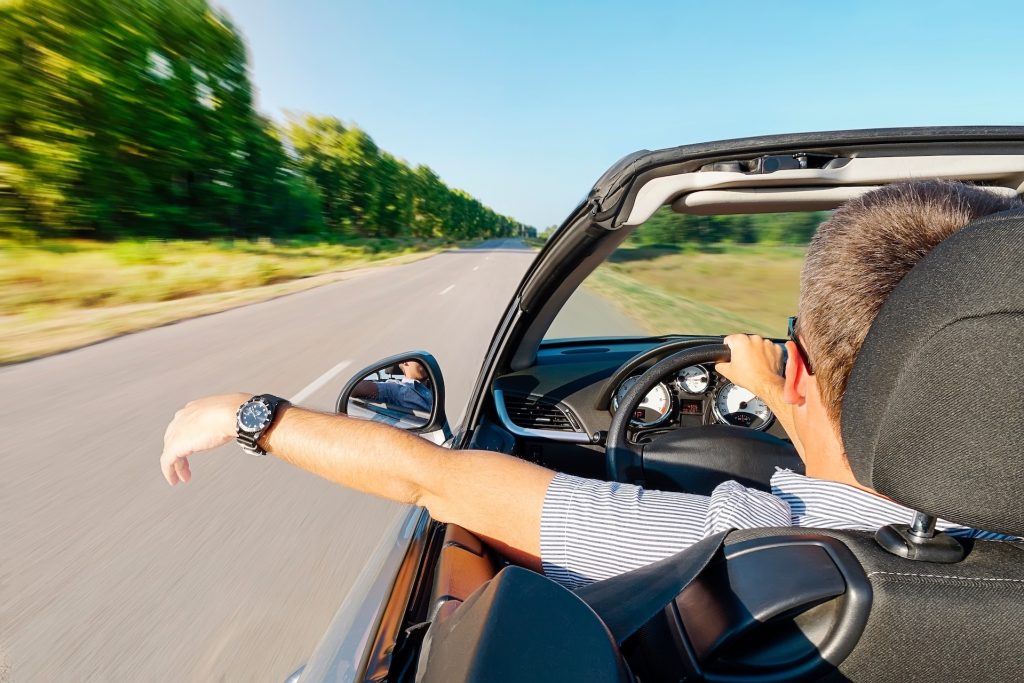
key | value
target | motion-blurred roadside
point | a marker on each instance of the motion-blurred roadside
(135, 121)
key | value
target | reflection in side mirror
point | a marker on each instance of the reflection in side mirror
(404, 398)
(404, 391)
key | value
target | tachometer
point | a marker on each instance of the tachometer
(735, 405)
(694, 380)
(657, 406)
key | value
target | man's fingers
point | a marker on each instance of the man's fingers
(732, 339)
(167, 467)
(182, 470)
(175, 470)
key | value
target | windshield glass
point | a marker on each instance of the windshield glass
(684, 274)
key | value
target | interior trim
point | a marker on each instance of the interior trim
(768, 200)
(551, 434)
(1001, 169)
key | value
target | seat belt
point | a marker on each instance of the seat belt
(628, 601)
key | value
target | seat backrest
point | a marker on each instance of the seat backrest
(816, 605)
(932, 622)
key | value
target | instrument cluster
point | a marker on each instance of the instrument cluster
(696, 392)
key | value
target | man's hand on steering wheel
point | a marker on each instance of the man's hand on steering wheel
(756, 365)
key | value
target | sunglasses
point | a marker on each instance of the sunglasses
(799, 347)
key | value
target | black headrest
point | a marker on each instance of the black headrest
(933, 414)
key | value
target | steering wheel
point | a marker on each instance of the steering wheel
(692, 459)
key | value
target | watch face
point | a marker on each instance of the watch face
(253, 416)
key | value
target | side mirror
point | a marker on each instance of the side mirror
(405, 391)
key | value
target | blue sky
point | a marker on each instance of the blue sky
(524, 104)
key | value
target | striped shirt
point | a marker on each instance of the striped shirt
(591, 530)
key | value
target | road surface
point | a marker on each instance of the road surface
(108, 574)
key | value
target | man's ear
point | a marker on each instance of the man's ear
(794, 392)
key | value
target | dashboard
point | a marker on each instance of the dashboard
(572, 391)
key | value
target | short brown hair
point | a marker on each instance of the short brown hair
(861, 253)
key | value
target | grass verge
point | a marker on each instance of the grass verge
(57, 295)
(718, 290)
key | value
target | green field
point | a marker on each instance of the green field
(717, 289)
(59, 294)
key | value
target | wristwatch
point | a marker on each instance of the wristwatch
(254, 417)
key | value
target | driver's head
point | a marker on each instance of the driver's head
(857, 258)
(414, 370)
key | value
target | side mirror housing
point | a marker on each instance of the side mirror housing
(404, 391)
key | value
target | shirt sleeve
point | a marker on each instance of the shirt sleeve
(386, 392)
(592, 530)
(734, 506)
(402, 395)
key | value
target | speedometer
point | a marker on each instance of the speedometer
(657, 406)
(734, 405)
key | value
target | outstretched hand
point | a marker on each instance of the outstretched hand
(756, 365)
(199, 426)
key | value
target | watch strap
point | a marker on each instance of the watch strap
(249, 444)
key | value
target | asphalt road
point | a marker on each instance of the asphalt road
(108, 574)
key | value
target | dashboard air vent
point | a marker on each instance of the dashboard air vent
(533, 412)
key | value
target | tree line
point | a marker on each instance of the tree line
(670, 228)
(136, 119)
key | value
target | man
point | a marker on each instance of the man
(414, 393)
(580, 530)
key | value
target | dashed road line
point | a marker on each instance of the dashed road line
(319, 382)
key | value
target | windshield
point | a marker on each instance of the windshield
(684, 274)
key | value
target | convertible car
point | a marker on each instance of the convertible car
(934, 419)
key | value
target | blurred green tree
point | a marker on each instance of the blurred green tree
(122, 119)
(670, 228)
(367, 192)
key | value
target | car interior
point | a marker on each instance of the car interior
(932, 419)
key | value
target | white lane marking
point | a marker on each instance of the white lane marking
(320, 381)
(446, 290)
(476, 267)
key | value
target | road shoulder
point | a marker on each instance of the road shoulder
(23, 340)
